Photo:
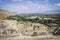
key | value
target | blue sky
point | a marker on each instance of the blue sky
(30, 6)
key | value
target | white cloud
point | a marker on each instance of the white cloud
(29, 0)
(46, 0)
(57, 4)
(16, 0)
(29, 7)
(16, 8)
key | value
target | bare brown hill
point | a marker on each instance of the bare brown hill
(4, 14)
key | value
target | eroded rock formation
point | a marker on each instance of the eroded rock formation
(32, 29)
(8, 26)
(23, 28)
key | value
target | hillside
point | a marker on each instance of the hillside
(4, 14)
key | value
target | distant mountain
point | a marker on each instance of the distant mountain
(43, 14)
(4, 14)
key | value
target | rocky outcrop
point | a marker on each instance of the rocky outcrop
(32, 29)
(23, 28)
(8, 26)
(56, 31)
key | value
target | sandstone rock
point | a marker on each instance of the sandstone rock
(8, 26)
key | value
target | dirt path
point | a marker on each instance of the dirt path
(31, 38)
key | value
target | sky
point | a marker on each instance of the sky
(30, 6)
